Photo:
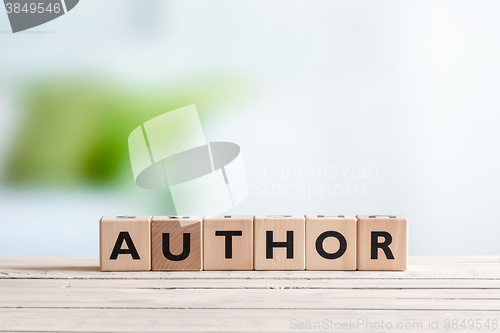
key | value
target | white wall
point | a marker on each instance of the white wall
(406, 88)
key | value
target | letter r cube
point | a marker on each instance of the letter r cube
(382, 243)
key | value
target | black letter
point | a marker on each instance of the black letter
(124, 235)
(384, 246)
(321, 250)
(186, 247)
(270, 244)
(229, 240)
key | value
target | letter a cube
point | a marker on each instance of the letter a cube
(125, 243)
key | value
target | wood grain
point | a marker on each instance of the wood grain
(176, 228)
(240, 254)
(72, 295)
(220, 320)
(478, 269)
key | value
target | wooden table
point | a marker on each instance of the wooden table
(70, 294)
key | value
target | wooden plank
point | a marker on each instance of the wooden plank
(210, 320)
(279, 283)
(85, 294)
(475, 268)
(12, 286)
(70, 294)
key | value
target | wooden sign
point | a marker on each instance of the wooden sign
(262, 242)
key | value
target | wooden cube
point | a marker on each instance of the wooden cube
(382, 242)
(331, 242)
(176, 243)
(279, 242)
(228, 243)
(125, 243)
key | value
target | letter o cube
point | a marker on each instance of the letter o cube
(331, 242)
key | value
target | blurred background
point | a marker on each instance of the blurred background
(340, 107)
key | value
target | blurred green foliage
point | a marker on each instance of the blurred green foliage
(74, 131)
